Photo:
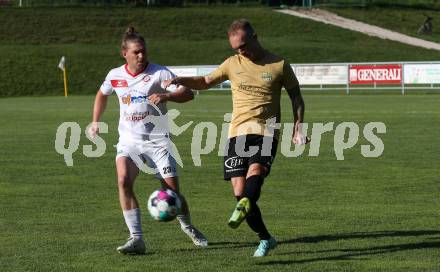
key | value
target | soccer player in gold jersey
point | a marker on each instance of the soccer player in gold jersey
(257, 78)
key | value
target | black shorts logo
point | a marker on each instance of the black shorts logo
(234, 162)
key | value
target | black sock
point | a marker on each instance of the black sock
(252, 188)
(255, 222)
(254, 218)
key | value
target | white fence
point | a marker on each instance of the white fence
(350, 76)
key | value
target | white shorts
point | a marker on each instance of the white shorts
(151, 158)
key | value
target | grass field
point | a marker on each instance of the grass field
(360, 214)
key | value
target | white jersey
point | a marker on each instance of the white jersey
(139, 119)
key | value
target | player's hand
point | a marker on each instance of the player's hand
(158, 98)
(168, 82)
(94, 129)
(298, 137)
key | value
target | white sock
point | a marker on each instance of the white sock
(184, 220)
(133, 221)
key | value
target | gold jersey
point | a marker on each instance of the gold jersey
(256, 92)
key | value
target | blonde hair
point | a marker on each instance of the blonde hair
(241, 24)
(130, 35)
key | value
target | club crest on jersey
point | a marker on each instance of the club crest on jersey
(119, 83)
(266, 76)
(146, 78)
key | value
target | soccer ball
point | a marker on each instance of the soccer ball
(164, 205)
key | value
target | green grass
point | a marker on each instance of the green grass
(360, 214)
(32, 41)
(399, 19)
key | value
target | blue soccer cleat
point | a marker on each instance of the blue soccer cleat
(265, 246)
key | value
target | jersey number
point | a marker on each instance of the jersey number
(166, 170)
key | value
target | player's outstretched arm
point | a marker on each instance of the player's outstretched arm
(98, 108)
(195, 83)
(181, 95)
(298, 108)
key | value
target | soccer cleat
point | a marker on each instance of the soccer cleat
(265, 246)
(133, 246)
(241, 210)
(196, 236)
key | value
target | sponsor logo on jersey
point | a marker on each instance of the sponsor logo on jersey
(266, 76)
(250, 89)
(234, 162)
(118, 83)
(134, 99)
(138, 116)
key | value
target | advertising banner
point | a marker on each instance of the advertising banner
(421, 73)
(380, 74)
(183, 71)
(321, 74)
(203, 71)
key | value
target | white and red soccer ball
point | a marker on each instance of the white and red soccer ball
(164, 205)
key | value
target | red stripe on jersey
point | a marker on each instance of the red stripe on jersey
(134, 75)
(119, 83)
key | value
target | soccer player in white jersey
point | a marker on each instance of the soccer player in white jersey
(138, 85)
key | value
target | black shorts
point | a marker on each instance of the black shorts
(236, 164)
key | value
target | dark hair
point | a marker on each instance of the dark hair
(241, 24)
(131, 35)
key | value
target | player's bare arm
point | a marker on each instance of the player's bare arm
(181, 95)
(195, 83)
(98, 108)
(298, 108)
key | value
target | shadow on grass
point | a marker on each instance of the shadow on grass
(222, 245)
(359, 235)
(357, 253)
